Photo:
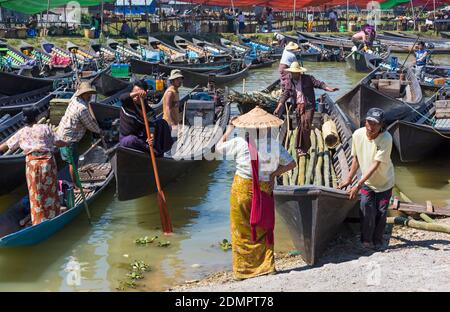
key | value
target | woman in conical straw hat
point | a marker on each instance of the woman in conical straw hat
(287, 58)
(260, 158)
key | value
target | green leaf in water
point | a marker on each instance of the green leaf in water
(163, 244)
(225, 245)
(145, 240)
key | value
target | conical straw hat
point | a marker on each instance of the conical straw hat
(257, 118)
(296, 68)
(292, 46)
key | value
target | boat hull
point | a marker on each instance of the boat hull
(415, 142)
(313, 216)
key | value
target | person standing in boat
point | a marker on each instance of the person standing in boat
(171, 101)
(421, 59)
(288, 57)
(281, 39)
(301, 89)
(371, 151)
(38, 142)
(260, 159)
(132, 133)
(78, 118)
(364, 38)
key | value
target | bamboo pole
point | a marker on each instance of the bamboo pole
(433, 227)
(426, 218)
(309, 179)
(318, 180)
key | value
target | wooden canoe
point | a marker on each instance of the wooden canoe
(133, 169)
(366, 95)
(171, 53)
(361, 61)
(420, 135)
(13, 166)
(13, 234)
(262, 64)
(222, 76)
(216, 50)
(313, 214)
(237, 49)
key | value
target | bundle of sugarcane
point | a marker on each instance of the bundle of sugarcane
(315, 167)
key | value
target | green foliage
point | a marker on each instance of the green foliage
(225, 245)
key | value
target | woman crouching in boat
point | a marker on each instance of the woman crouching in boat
(260, 158)
(37, 142)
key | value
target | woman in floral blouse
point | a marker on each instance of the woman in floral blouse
(37, 142)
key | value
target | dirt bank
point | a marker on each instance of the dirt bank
(412, 261)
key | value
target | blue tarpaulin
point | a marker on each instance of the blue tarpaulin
(138, 7)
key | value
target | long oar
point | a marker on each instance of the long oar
(78, 182)
(163, 212)
(410, 50)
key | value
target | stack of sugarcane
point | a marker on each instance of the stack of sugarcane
(315, 167)
(247, 101)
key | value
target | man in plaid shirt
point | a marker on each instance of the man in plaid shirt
(77, 119)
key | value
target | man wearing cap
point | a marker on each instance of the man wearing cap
(371, 151)
(300, 87)
(287, 58)
(171, 100)
(77, 119)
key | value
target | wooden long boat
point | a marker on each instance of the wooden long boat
(314, 214)
(262, 63)
(134, 174)
(12, 166)
(171, 53)
(216, 50)
(362, 61)
(14, 56)
(221, 77)
(412, 38)
(396, 46)
(186, 46)
(84, 54)
(13, 84)
(237, 49)
(123, 50)
(445, 34)
(421, 135)
(316, 52)
(384, 90)
(274, 52)
(13, 234)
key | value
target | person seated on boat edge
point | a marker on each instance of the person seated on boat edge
(259, 161)
(132, 132)
(15, 217)
(301, 89)
(38, 142)
(281, 39)
(288, 57)
(364, 38)
(171, 101)
(371, 151)
(78, 118)
(421, 59)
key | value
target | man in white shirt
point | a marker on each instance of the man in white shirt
(286, 61)
(371, 151)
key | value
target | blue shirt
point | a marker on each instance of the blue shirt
(419, 55)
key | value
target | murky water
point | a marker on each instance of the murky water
(198, 205)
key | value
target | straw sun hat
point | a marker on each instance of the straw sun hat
(296, 68)
(292, 46)
(176, 73)
(85, 87)
(257, 118)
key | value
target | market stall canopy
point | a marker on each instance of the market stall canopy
(37, 6)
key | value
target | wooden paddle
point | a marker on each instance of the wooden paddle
(163, 212)
(410, 50)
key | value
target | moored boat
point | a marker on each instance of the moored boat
(222, 76)
(394, 92)
(133, 169)
(314, 211)
(421, 134)
(362, 61)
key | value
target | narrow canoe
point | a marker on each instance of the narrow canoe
(403, 97)
(420, 135)
(133, 169)
(361, 61)
(221, 77)
(314, 214)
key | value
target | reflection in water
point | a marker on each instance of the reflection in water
(199, 207)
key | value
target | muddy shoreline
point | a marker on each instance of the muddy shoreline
(413, 260)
